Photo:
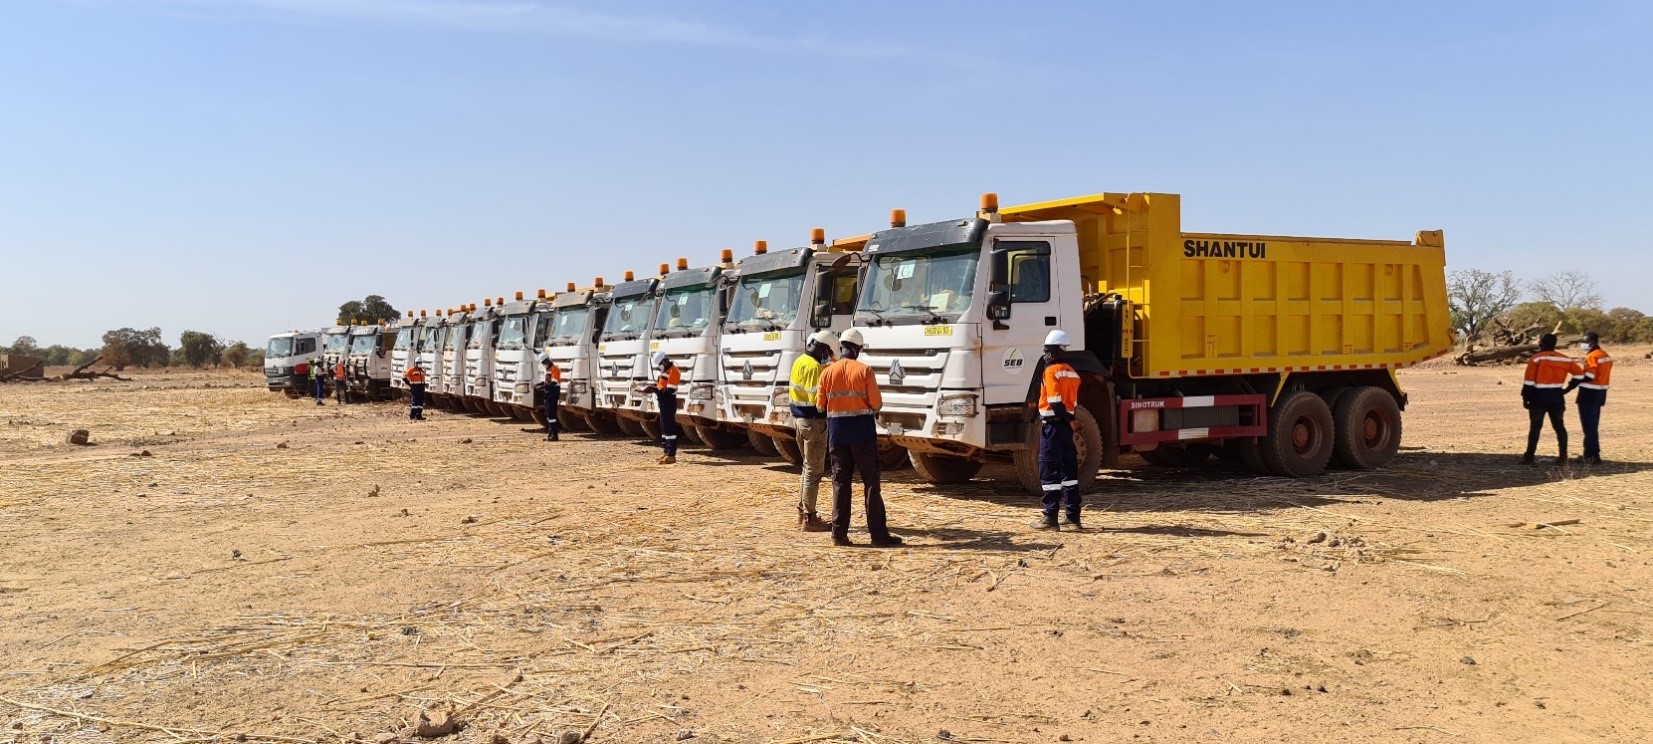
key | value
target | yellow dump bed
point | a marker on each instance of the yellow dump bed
(1216, 304)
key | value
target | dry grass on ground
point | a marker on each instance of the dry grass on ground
(282, 572)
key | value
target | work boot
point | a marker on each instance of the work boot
(1593, 460)
(842, 541)
(1528, 459)
(668, 460)
(812, 523)
(887, 541)
(1044, 523)
(319, 403)
(1071, 520)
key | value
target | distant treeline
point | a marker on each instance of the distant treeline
(130, 347)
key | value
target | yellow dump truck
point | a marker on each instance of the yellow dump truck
(1279, 351)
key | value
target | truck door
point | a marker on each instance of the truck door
(1023, 306)
(837, 287)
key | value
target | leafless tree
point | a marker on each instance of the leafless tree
(1567, 290)
(1478, 296)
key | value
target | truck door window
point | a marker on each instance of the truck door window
(306, 346)
(1029, 270)
(844, 293)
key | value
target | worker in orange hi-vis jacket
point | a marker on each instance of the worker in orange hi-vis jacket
(1058, 456)
(1544, 393)
(1592, 394)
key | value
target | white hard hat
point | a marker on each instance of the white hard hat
(657, 358)
(853, 336)
(1056, 338)
(825, 338)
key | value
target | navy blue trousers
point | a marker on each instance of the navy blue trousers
(553, 399)
(1059, 469)
(668, 422)
(1589, 418)
(416, 398)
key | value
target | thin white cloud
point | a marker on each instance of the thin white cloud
(532, 16)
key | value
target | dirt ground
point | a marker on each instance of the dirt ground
(275, 571)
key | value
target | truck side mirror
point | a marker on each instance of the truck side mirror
(998, 304)
(823, 314)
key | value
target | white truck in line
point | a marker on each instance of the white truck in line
(367, 366)
(432, 334)
(688, 321)
(517, 369)
(335, 345)
(479, 360)
(623, 354)
(284, 354)
(780, 299)
(410, 336)
(571, 342)
(449, 387)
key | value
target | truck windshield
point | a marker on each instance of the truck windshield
(569, 327)
(513, 333)
(337, 343)
(364, 344)
(404, 339)
(542, 327)
(456, 338)
(280, 346)
(432, 333)
(920, 287)
(767, 302)
(476, 335)
(628, 317)
(685, 311)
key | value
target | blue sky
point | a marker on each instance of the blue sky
(243, 166)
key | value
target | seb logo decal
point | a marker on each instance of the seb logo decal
(1013, 360)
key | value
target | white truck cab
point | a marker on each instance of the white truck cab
(571, 342)
(780, 299)
(447, 383)
(409, 337)
(335, 345)
(955, 381)
(688, 321)
(623, 353)
(367, 366)
(283, 353)
(522, 330)
(479, 360)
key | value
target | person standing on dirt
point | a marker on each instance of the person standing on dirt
(811, 425)
(551, 396)
(848, 392)
(318, 381)
(1058, 456)
(1543, 393)
(415, 379)
(1593, 384)
(338, 382)
(665, 395)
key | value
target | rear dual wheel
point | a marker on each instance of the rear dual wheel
(1368, 428)
(1299, 439)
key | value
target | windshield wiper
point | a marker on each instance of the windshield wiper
(934, 316)
(881, 319)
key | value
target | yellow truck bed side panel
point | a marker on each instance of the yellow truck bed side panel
(1217, 304)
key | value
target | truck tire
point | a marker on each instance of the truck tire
(651, 429)
(1248, 452)
(763, 443)
(1299, 439)
(690, 436)
(944, 470)
(600, 424)
(569, 421)
(892, 456)
(1367, 422)
(1089, 441)
(718, 439)
(789, 451)
(631, 427)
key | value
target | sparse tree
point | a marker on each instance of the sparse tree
(26, 346)
(200, 349)
(130, 347)
(1567, 290)
(236, 354)
(1477, 296)
(372, 309)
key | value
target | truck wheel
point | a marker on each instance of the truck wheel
(631, 427)
(1175, 455)
(892, 456)
(601, 424)
(1247, 452)
(1088, 440)
(651, 429)
(789, 451)
(569, 421)
(690, 435)
(718, 439)
(763, 443)
(944, 470)
(1299, 439)
(537, 413)
(1367, 422)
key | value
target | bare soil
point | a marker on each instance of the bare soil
(276, 571)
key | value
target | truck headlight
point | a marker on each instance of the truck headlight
(957, 405)
(578, 387)
(781, 399)
(701, 392)
(522, 388)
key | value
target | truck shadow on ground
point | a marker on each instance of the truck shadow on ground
(1224, 486)
(953, 538)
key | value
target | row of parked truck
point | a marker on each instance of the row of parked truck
(1279, 352)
